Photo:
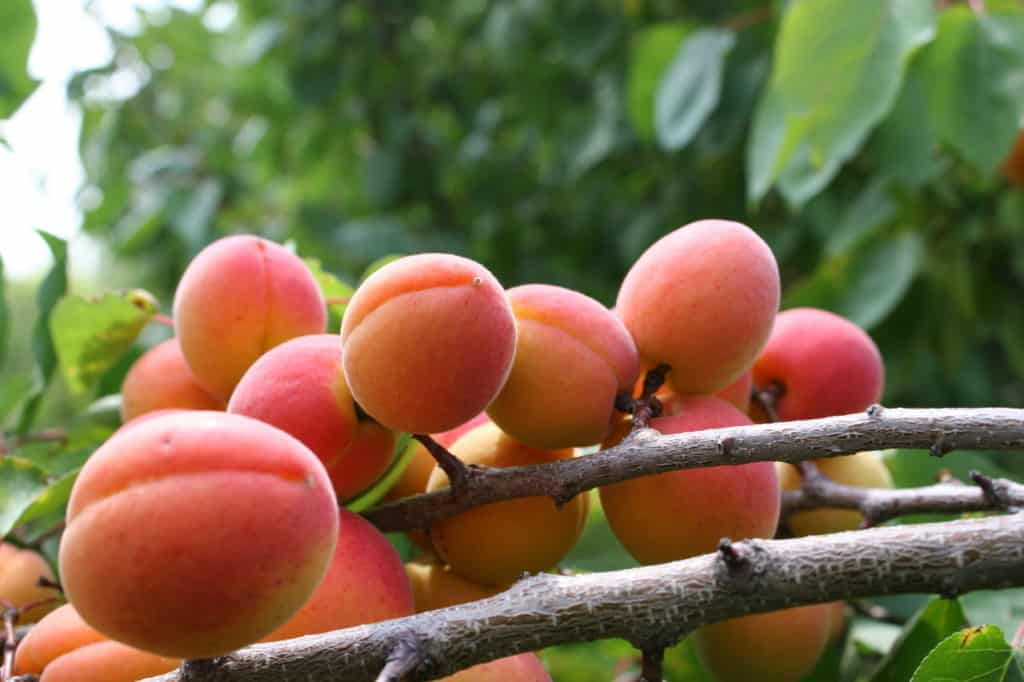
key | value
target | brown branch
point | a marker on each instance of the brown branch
(647, 452)
(650, 664)
(459, 473)
(654, 603)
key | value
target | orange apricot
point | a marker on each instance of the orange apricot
(494, 544)
(435, 586)
(299, 387)
(161, 379)
(238, 298)
(520, 668)
(572, 357)
(448, 438)
(702, 299)
(821, 364)
(20, 570)
(679, 514)
(428, 342)
(195, 533)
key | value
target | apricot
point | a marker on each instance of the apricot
(738, 392)
(365, 583)
(448, 438)
(435, 586)
(679, 514)
(520, 668)
(238, 298)
(417, 472)
(495, 543)
(822, 364)
(299, 387)
(20, 569)
(572, 357)
(428, 342)
(778, 646)
(192, 534)
(862, 470)
(161, 379)
(702, 299)
(63, 648)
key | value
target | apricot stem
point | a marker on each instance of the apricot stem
(766, 398)
(650, 665)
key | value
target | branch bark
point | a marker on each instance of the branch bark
(653, 603)
(647, 452)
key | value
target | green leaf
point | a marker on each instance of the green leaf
(928, 627)
(54, 286)
(870, 209)
(865, 284)
(333, 289)
(51, 502)
(1002, 608)
(691, 86)
(19, 31)
(838, 69)
(972, 655)
(21, 482)
(651, 52)
(14, 390)
(5, 318)
(405, 450)
(975, 75)
(91, 334)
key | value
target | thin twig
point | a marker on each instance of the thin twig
(457, 470)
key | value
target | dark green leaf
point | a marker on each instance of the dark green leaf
(651, 52)
(91, 334)
(931, 625)
(19, 30)
(21, 482)
(837, 72)
(972, 655)
(691, 86)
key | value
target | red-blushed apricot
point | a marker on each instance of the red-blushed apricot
(299, 387)
(778, 646)
(161, 379)
(428, 342)
(702, 299)
(1013, 166)
(435, 586)
(572, 357)
(365, 583)
(862, 470)
(20, 569)
(494, 544)
(238, 298)
(63, 648)
(520, 668)
(738, 392)
(195, 533)
(823, 365)
(679, 514)
(448, 438)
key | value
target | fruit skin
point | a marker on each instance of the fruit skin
(825, 364)
(778, 646)
(494, 544)
(679, 514)
(702, 299)
(428, 342)
(300, 388)
(161, 379)
(238, 298)
(568, 345)
(365, 583)
(520, 668)
(435, 586)
(862, 470)
(192, 534)
(63, 648)
(19, 571)
(448, 438)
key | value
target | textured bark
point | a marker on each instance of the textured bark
(647, 452)
(655, 605)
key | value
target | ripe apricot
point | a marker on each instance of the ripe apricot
(494, 544)
(161, 379)
(822, 365)
(20, 569)
(365, 583)
(679, 514)
(702, 299)
(448, 438)
(238, 298)
(195, 533)
(436, 586)
(572, 357)
(862, 470)
(428, 342)
(520, 668)
(63, 648)
(778, 646)
(299, 387)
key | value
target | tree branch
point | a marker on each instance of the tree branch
(647, 452)
(653, 603)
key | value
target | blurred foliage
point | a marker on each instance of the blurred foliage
(554, 142)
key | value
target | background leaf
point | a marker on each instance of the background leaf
(21, 482)
(651, 51)
(927, 628)
(19, 29)
(972, 655)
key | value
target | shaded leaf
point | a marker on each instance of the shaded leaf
(51, 502)
(5, 319)
(18, 20)
(21, 482)
(972, 655)
(1002, 608)
(927, 628)
(651, 51)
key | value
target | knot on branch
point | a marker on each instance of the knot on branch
(200, 669)
(875, 411)
(940, 448)
(725, 446)
(404, 658)
(739, 561)
(989, 488)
